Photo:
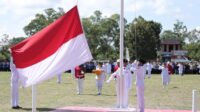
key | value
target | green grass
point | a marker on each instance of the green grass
(50, 95)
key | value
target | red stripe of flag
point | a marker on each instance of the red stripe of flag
(47, 41)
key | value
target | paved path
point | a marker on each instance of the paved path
(98, 109)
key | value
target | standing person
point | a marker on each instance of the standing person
(139, 73)
(59, 78)
(108, 68)
(170, 71)
(198, 66)
(149, 68)
(180, 69)
(72, 71)
(164, 75)
(126, 83)
(117, 65)
(14, 87)
(79, 76)
(145, 69)
(100, 77)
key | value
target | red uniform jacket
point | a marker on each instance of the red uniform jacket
(170, 69)
(79, 73)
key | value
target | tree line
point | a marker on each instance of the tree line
(141, 36)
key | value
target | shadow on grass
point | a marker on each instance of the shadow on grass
(175, 87)
(97, 95)
(39, 109)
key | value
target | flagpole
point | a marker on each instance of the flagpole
(121, 51)
(33, 98)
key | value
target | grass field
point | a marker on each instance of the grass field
(50, 95)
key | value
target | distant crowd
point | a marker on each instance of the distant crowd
(188, 68)
(5, 65)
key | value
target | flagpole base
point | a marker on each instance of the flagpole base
(123, 110)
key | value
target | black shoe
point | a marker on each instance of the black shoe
(19, 107)
(16, 107)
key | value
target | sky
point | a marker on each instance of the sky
(15, 14)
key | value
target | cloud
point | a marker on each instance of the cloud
(22, 11)
(160, 6)
(198, 28)
(4, 9)
(134, 6)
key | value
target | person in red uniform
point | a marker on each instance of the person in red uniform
(116, 67)
(170, 71)
(79, 77)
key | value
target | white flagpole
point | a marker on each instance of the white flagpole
(33, 98)
(127, 54)
(194, 92)
(121, 51)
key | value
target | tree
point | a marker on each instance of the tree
(4, 54)
(143, 38)
(42, 20)
(194, 36)
(102, 33)
(193, 50)
(168, 34)
(15, 40)
(193, 44)
(179, 32)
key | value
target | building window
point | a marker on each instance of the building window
(170, 48)
(165, 48)
(176, 46)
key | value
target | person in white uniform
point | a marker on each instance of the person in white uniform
(149, 68)
(108, 68)
(164, 75)
(145, 69)
(180, 69)
(139, 73)
(198, 67)
(14, 87)
(72, 71)
(100, 78)
(126, 85)
(59, 76)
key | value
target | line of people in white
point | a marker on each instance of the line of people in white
(137, 69)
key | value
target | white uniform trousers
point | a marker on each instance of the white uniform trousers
(180, 72)
(59, 78)
(149, 73)
(99, 84)
(14, 93)
(140, 98)
(79, 86)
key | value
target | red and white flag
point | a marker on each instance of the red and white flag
(58, 47)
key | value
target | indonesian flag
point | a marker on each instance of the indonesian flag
(58, 47)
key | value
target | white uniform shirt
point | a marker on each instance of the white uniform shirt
(149, 66)
(180, 68)
(102, 75)
(127, 77)
(108, 68)
(139, 73)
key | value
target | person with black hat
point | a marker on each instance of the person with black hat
(139, 73)
(126, 84)
(14, 87)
